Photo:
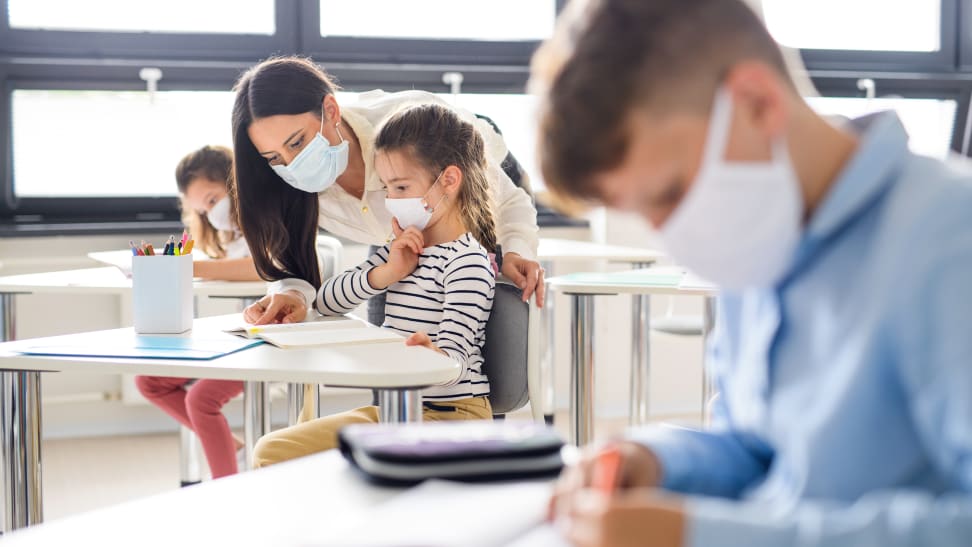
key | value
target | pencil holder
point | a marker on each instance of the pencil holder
(162, 294)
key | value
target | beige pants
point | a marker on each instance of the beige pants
(309, 437)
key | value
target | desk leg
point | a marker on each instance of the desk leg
(20, 429)
(399, 405)
(640, 358)
(708, 388)
(256, 415)
(20, 432)
(190, 468)
(547, 362)
(7, 303)
(582, 369)
(296, 399)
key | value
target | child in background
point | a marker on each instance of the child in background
(436, 273)
(203, 178)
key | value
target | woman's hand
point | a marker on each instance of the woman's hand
(403, 257)
(422, 339)
(285, 307)
(526, 274)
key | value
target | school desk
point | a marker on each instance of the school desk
(315, 500)
(396, 371)
(552, 252)
(582, 288)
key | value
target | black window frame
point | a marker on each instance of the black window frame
(945, 59)
(162, 45)
(42, 59)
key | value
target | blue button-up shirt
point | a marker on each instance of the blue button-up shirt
(845, 407)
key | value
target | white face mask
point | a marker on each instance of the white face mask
(413, 211)
(318, 165)
(219, 215)
(740, 222)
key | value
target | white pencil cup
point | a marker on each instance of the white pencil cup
(162, 294)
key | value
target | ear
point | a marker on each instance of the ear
(332, 110)
(451, 180)
(760, 95)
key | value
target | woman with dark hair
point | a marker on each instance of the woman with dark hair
(303, 162)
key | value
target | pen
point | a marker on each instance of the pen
(134, 248)
(188, 248)
(149, 250)
(185, 237)
(606, 470)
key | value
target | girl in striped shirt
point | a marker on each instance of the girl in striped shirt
(436, 273)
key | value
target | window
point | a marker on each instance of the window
(515, 115)
(874, 25)
(112, 143)
(171, 16)
(439, 19)
(501, 33)
(929, 122)
(862, 35)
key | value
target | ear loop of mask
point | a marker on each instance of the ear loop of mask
(425, 202)
(337, 127)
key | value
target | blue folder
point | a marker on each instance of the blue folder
(141, 347)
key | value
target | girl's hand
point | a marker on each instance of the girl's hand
(403, 257)
(422, 339)
(285, 307)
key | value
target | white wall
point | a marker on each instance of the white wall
(83, 404)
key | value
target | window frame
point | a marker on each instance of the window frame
(944, 59)
(494, 65)
(110, 61)
(163, 45)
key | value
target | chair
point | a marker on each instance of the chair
(679, 325)
(512, 352)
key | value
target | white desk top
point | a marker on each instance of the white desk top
(374, 365)
(317, 500)
(659, 280)
(567, 249)
(110, 280)
(294, 503)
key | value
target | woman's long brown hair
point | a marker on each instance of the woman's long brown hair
(278, 221)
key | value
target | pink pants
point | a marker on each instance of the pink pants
(198, 407)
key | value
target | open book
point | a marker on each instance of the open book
(324, 331)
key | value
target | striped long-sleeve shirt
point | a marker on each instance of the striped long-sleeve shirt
(448, 296)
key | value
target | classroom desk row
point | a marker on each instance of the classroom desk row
(346, 366)
(396, 371)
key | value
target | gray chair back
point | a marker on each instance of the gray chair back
(507, 349)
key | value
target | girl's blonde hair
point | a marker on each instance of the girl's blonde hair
(437, 138)
(214, 163)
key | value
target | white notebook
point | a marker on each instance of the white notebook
(329, 337)
(316, 325)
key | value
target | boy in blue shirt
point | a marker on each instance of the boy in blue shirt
(842, 350)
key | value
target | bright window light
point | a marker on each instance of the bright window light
(876, 25)
(182, 16)
(505, 20)
(929, 122)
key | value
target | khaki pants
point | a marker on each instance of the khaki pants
(309, 437)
